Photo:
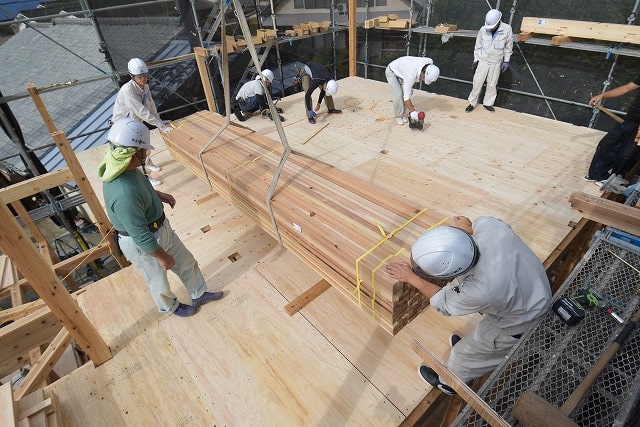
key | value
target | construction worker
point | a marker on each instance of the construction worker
(144, 233)
(616, 152)
(251, 97)
(317, 76)
(491, 55)
(134, 100)
(495, 274)
(402, 73)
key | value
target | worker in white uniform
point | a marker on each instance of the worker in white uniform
(251, 97)
(402, 73)
(495, 274)
(134, 100)
(491, 56)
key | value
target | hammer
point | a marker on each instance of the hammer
(532, 410)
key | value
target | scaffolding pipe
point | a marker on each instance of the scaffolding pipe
(196, 22)
(103, 43)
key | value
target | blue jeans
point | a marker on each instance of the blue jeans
(186, 268)
(252, 104)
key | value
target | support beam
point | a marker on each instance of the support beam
(353, 55)
(201, 55)
(44, 281)
(35, 185)
(623, 217)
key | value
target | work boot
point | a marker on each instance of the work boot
(334, 111)
(205, 298)
(271, 118)
(489, 108)
(184, 310)
(430, 376)
(239, 115)
(469, 108)
(312, 120)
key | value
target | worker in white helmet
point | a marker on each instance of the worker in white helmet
(134, 100)
(491, 56)
(251, 97)
(402, 73)
(317, 76)
(495, 274)
(136, 211)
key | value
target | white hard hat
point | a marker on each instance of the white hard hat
(136, 67)
(443, 253)
(492, 18)
(267, 74)
(332, 88)
(129, 132)
(431, 74)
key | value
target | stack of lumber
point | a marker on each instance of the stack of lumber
(388, 21)
(31, 410)
(581, 29)
(326, 217)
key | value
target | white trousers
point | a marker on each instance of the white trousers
(186, 268)
(489, 71)
(396, 92)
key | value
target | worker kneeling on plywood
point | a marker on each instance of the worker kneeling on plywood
(144, 233)
(493, 272)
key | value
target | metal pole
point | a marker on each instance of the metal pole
(366, 40)
(197, 24)
(103, 44)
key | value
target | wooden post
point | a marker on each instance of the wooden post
(201, 54)
(353, 11)
(17, 245)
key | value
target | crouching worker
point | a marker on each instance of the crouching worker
(251, 97)
(495, 274)
(144, 233)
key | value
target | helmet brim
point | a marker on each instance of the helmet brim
(423, 274)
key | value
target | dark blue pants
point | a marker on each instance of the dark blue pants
(615, 152)
(255, 103)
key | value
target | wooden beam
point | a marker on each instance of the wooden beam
(353, 11)
(8, 407)
(623, 217)
(463, 390)
(35, 185)
(582, 29)
(44, 281)
(201, 55)
(560, 40)
(44, 365)
(306, 297)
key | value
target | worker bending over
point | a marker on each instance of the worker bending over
(402, 73)
(495, 274)
(317, 76)
(251, 97)
(144, 233)
(491, 55)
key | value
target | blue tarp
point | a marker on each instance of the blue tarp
(10, 8)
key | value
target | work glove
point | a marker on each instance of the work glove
(312, 114)
(474, 66)
(504, 67)
(413, 115)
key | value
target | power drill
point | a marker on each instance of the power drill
(571, 309)
(417, 123)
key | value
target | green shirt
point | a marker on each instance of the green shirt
(132, 204)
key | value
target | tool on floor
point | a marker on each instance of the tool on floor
(594, 299)
(532, 410)
(571, 309)
(416, 121)
(615, 183)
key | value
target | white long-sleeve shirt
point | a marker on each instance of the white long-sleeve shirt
(408, 69)
(494, 47)
(250, 89)
(137, 103)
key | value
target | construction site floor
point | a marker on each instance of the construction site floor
(243, 360)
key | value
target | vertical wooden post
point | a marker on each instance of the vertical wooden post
(201, 55)
(17, 245)
(353, 11)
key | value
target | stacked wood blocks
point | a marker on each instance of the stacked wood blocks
(388, 21)
(564, 29)
(326, 217)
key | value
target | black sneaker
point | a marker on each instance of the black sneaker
(312, 120)
(184, 310)
(453, 339)
(205, 298)
(489, 108)
(279, 110)
(239, 114)
(588, 178)
(469, 108)
(430, 376)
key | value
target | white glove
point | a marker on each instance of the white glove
(414, 115)
(166, 129)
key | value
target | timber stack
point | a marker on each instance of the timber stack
(344, 228)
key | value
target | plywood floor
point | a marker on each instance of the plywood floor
(243, 360)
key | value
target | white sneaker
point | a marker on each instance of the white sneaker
(154, 181)
(405, 119)
(399, 121)
(153, 168)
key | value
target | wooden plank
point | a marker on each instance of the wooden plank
(35, 185)
(582, 29)
(623, 217)
(44, 365)
(201, 55)
(463, 390)
(8, 407)
(44, 407)
(309, 295)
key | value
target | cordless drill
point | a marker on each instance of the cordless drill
(571, 309)
(417, 123)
